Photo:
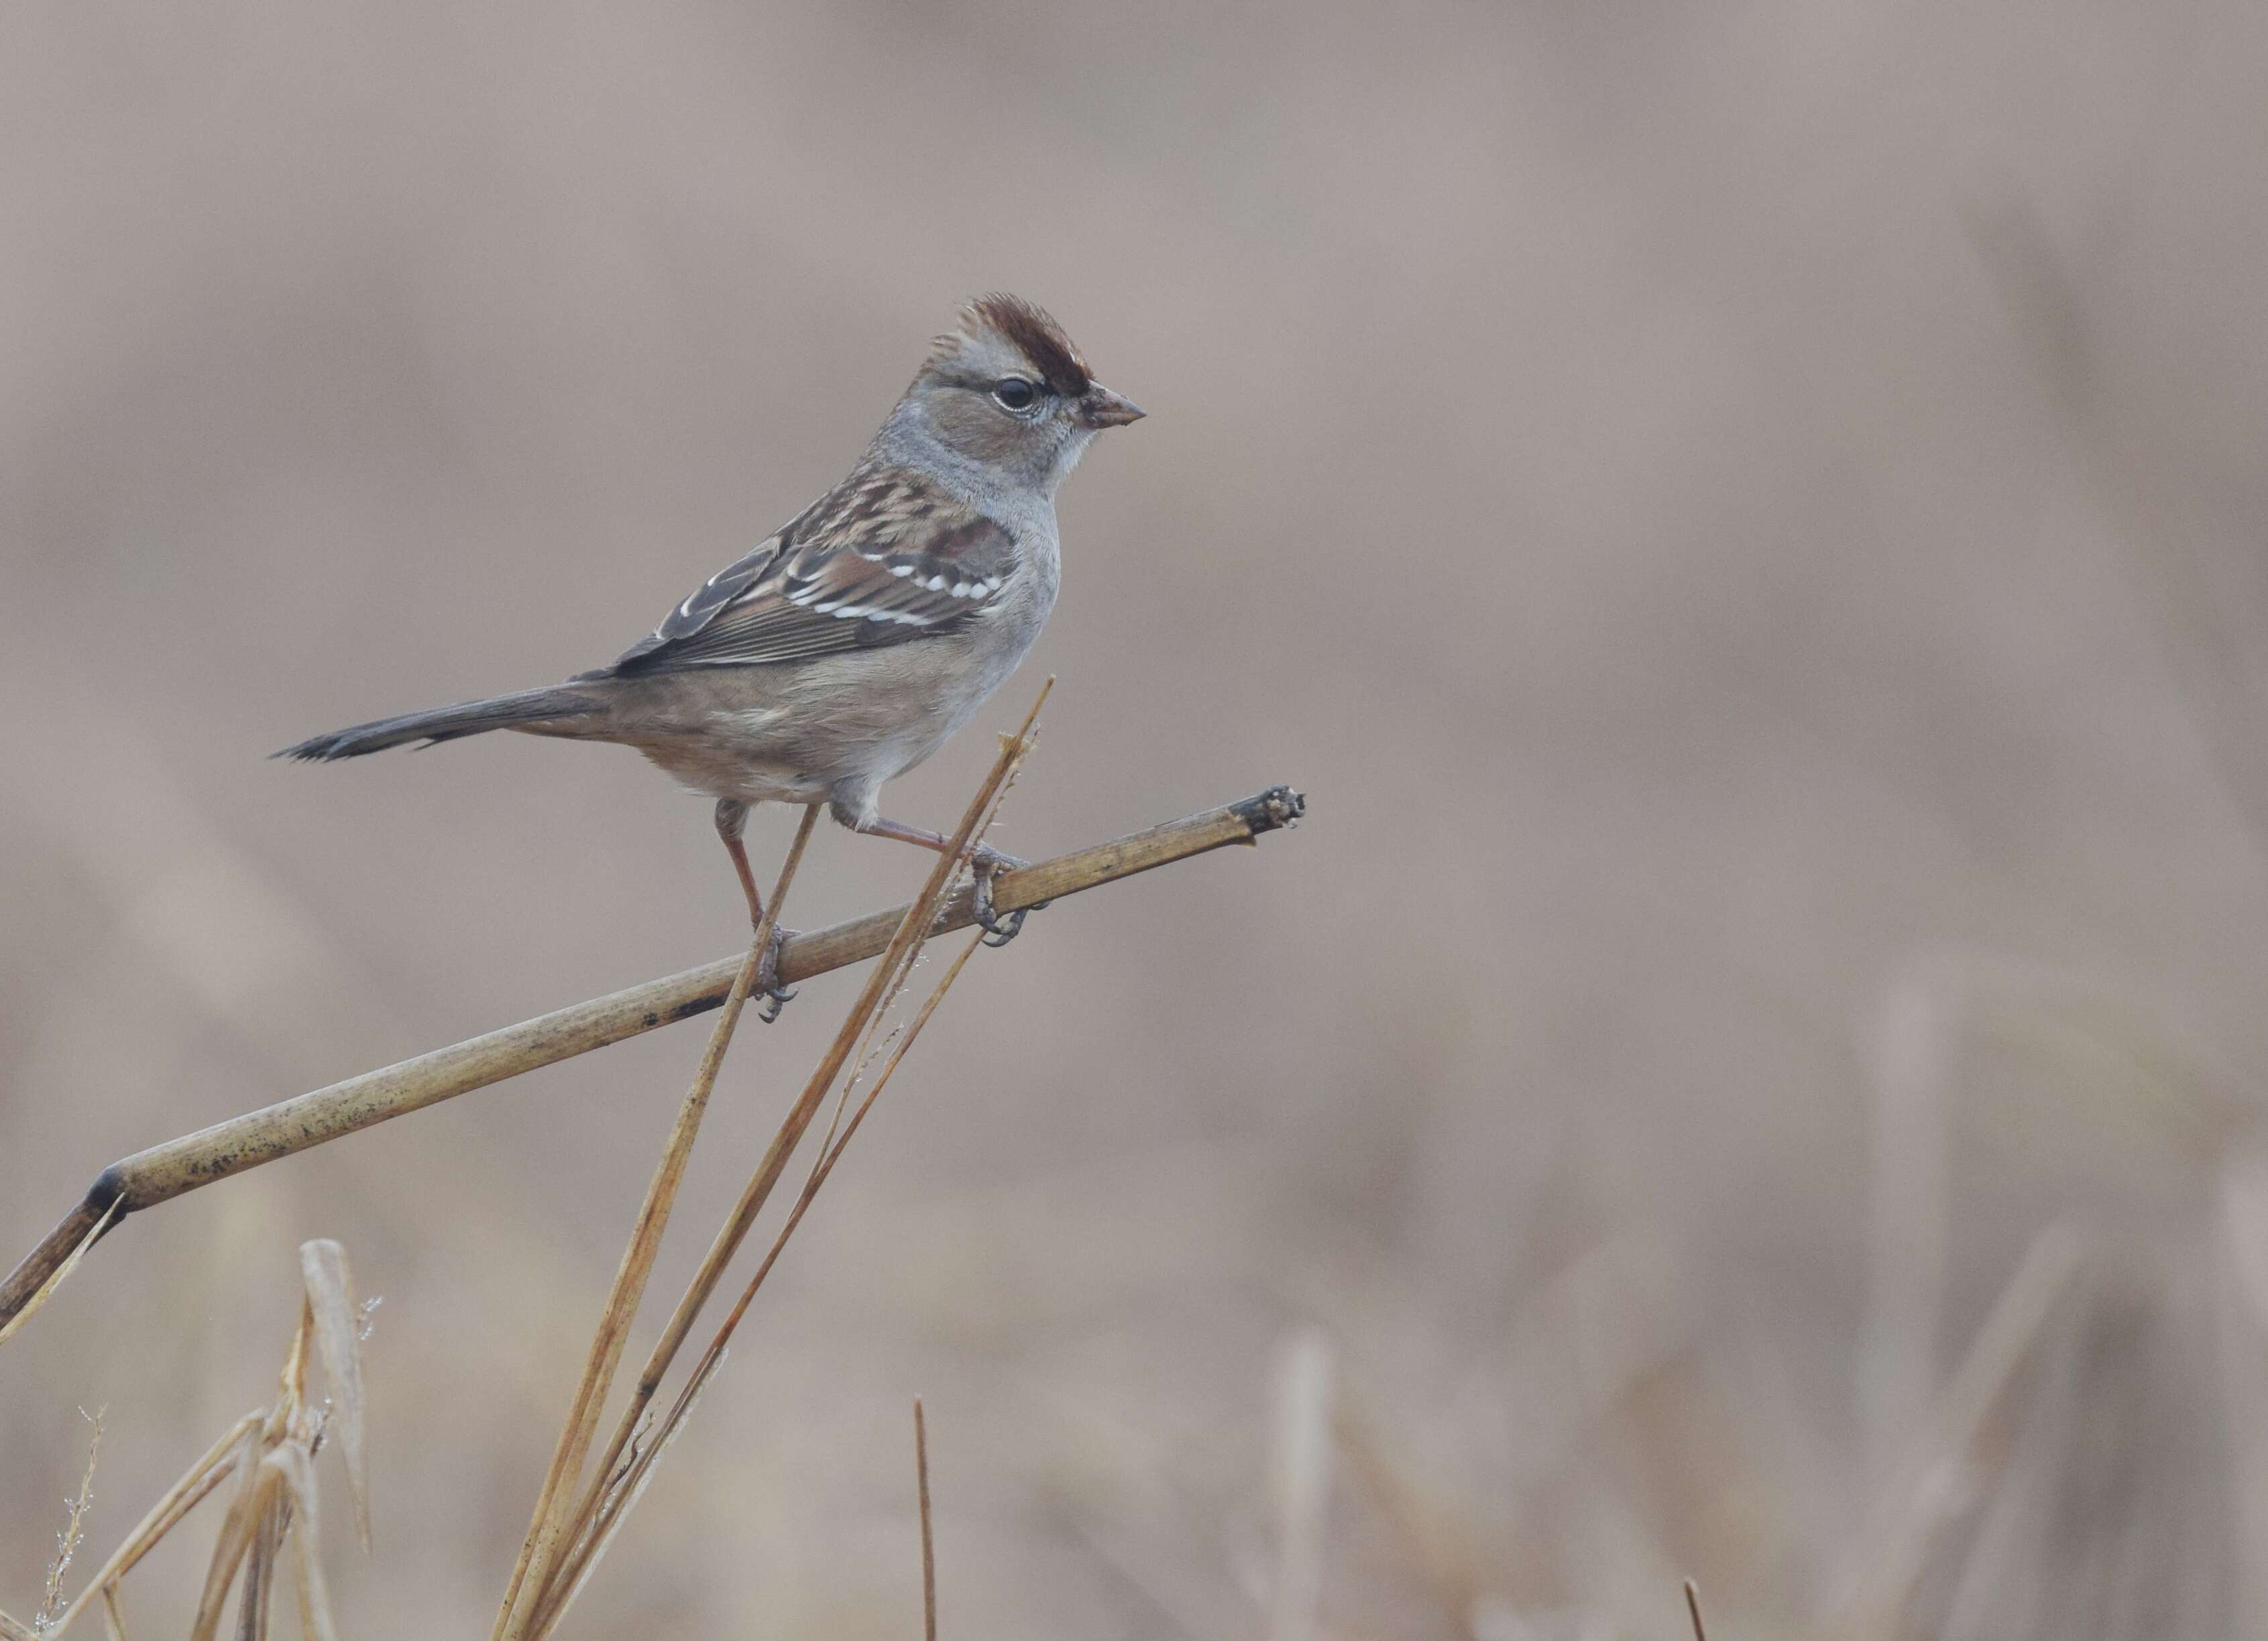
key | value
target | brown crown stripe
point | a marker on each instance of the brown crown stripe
(1037, 336)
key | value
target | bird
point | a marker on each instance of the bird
(854, 641)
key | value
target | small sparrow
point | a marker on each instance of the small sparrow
(854, 641)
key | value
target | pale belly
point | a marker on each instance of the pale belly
(833, 729)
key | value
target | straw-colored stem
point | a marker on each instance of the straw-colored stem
(929, 1547)
(914, 928)
(618, 1496)
(555, 1504)
(80, 1231)
(184, 1165)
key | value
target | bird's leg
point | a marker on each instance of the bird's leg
(983, 862)
(731, 818)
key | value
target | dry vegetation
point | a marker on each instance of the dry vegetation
(583, 1502)
(269, 1530)
(1746, 516)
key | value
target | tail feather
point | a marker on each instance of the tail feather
(467, 717)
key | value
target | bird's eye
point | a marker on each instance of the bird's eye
(1014, 393)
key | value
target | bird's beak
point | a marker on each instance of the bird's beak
(1100, 408)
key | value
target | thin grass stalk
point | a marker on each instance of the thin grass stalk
(573, 1575)
(74, 1533)
(300, 1532)
(195, 1486)
(869, 1048)
(929, 1547)
(555, 1504)
(253, 1603)
(913, 929)
(237, 1531)
(824, 1165)
(622, 1492)
(592, 1527)
(245, 1533)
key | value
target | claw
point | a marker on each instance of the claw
(998, 930)
(774, 997)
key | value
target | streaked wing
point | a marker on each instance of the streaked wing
(884, 558)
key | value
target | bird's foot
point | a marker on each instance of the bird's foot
(774, 997)
(983, 864)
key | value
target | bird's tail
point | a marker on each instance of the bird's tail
(528, 709)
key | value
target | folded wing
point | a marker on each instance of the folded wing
(885, 559)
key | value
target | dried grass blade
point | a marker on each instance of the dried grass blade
(251, 1605)
(554, 1506)
(55, 1278)
(824, 1165)
(912, 930)
(15, 1629)
(297, 1468)
(330, 1282)
(238, 1530)
(625, 1488)
(586, 1526)
(589, 1549)
(195, 1486)
(113, 1613)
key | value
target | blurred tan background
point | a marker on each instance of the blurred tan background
(1745, 518)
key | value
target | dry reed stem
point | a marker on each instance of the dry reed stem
(592, 1525)
(86, 1239)
(178, 1167)
(555, 1504)
(1693, 1610)
(16, 1630)
(928, 1544)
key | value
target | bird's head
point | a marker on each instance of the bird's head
(1009, 391)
